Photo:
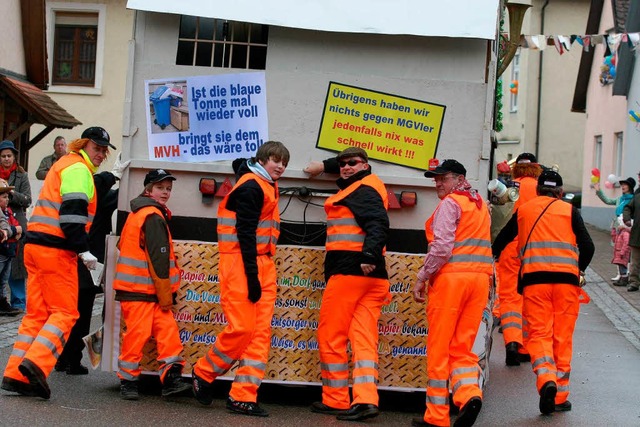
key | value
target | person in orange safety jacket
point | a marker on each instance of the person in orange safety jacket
(146, 281)
(248, 230)
(357, 286)
(525, 174)
(555, 248)
(57, 235)
(458, 268)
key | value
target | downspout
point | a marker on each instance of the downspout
(537, 146)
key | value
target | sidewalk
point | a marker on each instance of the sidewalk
(601, 264)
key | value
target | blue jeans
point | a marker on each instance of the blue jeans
(18, 294)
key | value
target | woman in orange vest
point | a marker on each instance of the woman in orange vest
(248, 230)
(147, 278)
(556, 249)
(525, 173)
(57, 235)
(458, 268)
(357, 286)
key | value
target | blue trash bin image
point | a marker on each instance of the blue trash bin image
(161, 107)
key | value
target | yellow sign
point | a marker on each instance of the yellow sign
(390, 128)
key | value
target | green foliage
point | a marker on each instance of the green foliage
(498, 124)
(498, 94)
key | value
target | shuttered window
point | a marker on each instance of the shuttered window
(75, 46)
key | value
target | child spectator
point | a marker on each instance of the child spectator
(622, 252)
(11, 232)
(627, 186)
(147, 278)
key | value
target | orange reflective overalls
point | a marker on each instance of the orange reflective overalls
(247, 336)
(457, 295)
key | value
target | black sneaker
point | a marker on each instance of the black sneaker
(173, 383)
(15, 386)
(321, 408)
(61, 365)
(78, 369)
(511, 351)
(202, 389)
(359, 412)
(547, 398)
(246, 408)
(469, 413)
(563, 407)
(36, 378)
(129, 390)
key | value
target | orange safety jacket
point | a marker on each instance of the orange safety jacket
(46, 219)
(472, 245)
(268, 230)
(132, 267)
(343, 232)
(527, 189)
(551, 252)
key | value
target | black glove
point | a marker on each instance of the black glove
(255, 290)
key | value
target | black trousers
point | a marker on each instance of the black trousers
(72, 353)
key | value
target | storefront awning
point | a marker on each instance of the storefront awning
(461, 18)
(40, 106)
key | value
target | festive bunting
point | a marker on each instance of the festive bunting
(562, 43)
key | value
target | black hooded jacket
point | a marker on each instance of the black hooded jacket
(368, 210)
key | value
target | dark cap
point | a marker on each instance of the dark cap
(353, 152)
(448, 166)
(8, 144)
(98, 135)
(550, 178)
(526, 158)
(157, 175)
(630, 182)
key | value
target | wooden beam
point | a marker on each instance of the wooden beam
(39, 137)
(19, 131)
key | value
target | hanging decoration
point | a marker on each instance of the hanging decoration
(514, 87)
(608, 70)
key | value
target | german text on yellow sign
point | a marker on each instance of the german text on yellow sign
(390, 128)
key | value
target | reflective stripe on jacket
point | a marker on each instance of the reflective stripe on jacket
(472, 245)
(268, 229)
(343, 232)
(552, 246)
(132, 268)
(46, 213)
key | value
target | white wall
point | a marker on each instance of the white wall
(11, 47)
(300, 65)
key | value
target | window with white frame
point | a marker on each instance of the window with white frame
(597, 152)
(619, 138)
(75, 46)
(220, 43)
(515, 81)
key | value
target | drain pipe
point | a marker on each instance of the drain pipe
(537, 146)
